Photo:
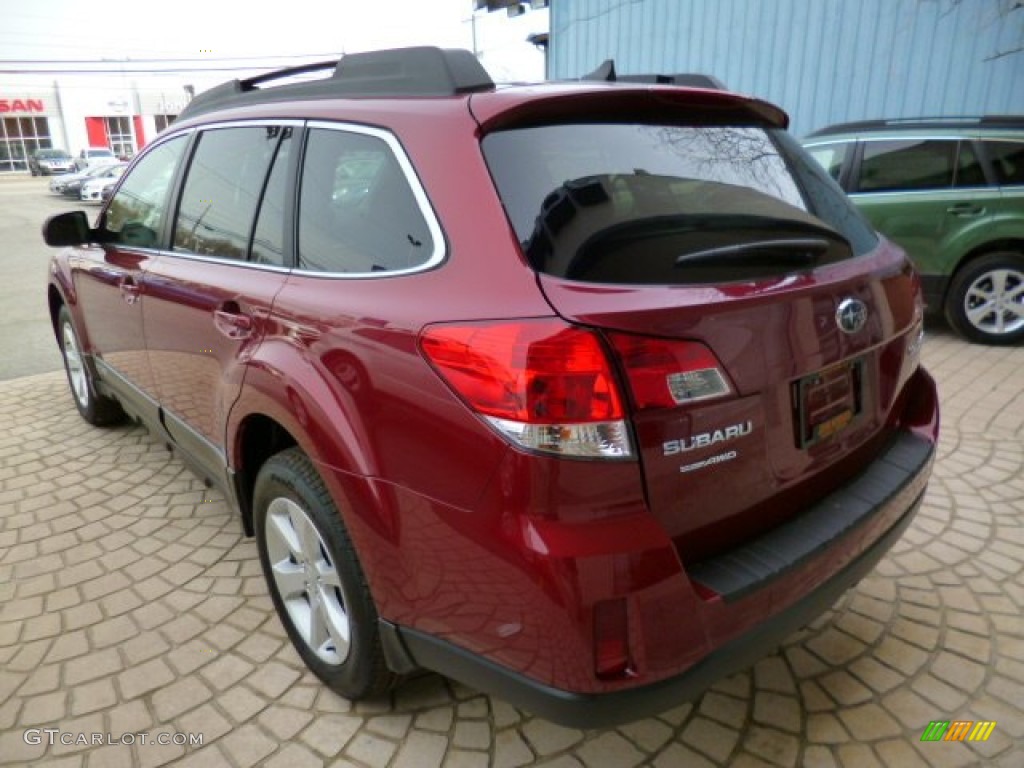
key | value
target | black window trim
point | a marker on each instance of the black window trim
(412, 179)
(287, 226)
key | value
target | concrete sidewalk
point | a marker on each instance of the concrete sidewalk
(130, 604)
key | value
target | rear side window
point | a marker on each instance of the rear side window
(620, 203)
(136, 213)
(893, 166)
(968, 167)
(222, 190)
(1007, 158)
(358, 212)
(830, 157)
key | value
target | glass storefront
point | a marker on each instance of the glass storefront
(162, 121)
(19, 138)
(119, 136)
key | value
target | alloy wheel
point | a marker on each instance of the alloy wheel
(994, 302)
(307, 581)
(76, 366)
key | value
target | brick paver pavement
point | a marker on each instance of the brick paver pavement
(130, 603)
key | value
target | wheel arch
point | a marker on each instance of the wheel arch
(979, 251)
(60, 291)
(275, 411)
(55, 301)
(258, 437)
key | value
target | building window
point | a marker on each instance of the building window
(162, 121)
(19, 138)
(119, 136)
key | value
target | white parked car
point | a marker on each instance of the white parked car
(92, 187)
(71, 183)
(91, 156)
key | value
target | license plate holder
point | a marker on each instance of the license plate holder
(827, 401)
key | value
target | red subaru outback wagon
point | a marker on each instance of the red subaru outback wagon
(584, 394)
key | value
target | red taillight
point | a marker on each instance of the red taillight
(541, 372)
(665, 374)
(545, 384)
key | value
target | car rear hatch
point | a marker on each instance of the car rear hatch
(714, 257)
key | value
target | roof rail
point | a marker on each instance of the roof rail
(606, 73)
(418, 71)
(945, 121)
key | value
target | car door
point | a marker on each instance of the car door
(925, 194)
(108, 277)
(208, 298)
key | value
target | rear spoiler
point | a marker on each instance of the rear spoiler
(606, 73)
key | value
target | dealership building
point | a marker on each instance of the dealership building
(78, 111)
(824, 62)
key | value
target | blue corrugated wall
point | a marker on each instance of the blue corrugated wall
(823, 61)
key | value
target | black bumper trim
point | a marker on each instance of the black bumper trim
(600, 710)
(751, 567)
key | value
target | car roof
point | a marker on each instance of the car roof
(944, 126)
(454, 76)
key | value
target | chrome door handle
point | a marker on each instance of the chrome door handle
(966, 209)
(129, 290)
(232, 322)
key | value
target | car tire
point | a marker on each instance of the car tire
(986, 299)
(315, 580)
(95, 408)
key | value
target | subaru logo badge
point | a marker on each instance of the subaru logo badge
(851, 315)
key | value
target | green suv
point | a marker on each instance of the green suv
(951, 192)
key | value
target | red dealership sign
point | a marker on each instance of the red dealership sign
(22, 105)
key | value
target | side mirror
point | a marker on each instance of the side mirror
(71, 228)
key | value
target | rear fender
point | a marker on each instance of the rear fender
(979, 237)
(323, 422)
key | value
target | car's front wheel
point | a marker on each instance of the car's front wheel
(315, 579)
(986, 299)
(93, 407)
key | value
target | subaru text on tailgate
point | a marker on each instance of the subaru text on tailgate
(585, 394)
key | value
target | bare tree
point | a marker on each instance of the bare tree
(1004, 12)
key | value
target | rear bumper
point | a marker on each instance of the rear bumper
(799, 569)
(578, 710)
(894, 481)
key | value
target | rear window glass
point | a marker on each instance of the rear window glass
(617, 203)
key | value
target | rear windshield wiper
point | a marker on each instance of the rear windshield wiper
(798, 251)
